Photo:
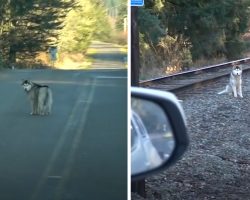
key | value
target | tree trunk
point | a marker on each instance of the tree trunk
(12, 55)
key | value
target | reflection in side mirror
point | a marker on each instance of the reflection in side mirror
(152, 140)
(158, 131)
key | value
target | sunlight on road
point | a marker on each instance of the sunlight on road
(69, 63)
(99, 55)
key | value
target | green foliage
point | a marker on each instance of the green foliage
(112, 3)
(88, 21)
(27, 26)
(1, 62)
(175, 50)
(122, 14)
(150, 26)
(158, 48)
(210, 25)
(31, 26)
(211, 29)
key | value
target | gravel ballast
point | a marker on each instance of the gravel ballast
(217, 163)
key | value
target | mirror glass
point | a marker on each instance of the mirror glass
(152, 139)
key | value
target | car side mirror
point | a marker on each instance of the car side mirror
(158, 131)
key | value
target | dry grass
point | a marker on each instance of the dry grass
(154, 72)
(66, 61)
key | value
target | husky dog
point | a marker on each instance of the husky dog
(235, 82)
(40, 97)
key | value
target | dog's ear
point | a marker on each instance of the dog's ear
(25, 81)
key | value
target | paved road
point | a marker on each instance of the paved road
(109, 55)
(77, 153)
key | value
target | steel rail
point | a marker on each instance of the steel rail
(195, 71)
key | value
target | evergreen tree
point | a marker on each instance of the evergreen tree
(213, 27)
(27, 26)
(122, 14)
(88, 21)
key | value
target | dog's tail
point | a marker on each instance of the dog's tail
(224, 91)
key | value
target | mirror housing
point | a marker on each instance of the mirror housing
(175, 116)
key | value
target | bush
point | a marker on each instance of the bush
(175, 52)
(171, 54)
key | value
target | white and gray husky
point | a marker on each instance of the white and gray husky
(235, 82)
(40, 97)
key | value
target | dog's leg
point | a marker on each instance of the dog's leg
(40, 109)
(36, 109)
(33, 109)
(234, 91)
(240, 91)
(45, 107)
(49, 109)
(41, 106)
(49, 102)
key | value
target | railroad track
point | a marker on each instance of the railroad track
(189, 78)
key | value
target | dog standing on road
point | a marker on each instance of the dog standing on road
(40, 97)
(235, 82)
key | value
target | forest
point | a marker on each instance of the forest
(176, 35)
(29, 27)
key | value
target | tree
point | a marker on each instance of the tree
(213, 27)
(27, 26)
(86, 22)
(149, 22)
(158, 48)
(174, 34)
(122, 14)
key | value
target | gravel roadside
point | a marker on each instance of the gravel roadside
(217, 163)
